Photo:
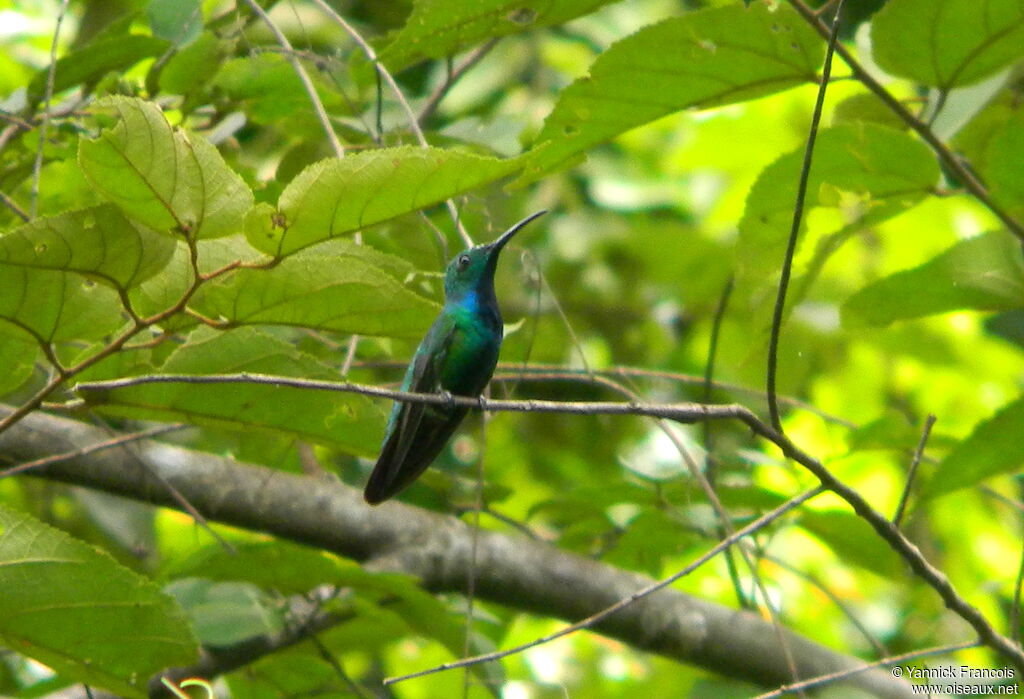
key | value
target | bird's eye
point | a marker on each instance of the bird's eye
(463, 261)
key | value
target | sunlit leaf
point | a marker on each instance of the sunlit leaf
(439, 28)
(853, 540)
(983, 273)
(335, 197)
(77, 610)
(947, 43)
(871, 171)
(342, 287)
(160, 176)
(993, 448)
(346, 421)
(52, 305)
(703, 59)
(165, 290)
(99, 242)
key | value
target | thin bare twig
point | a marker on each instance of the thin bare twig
(307, 82)
(1018, 584)
(590, 621)
(840, 604)
(453, 76)
(711, 462)
(547, 372)
(51, 75)
(13, 206)
(912, 471)
(843, 674)
(724, 526)
(91, 449)
(386, 76)
(794, 232)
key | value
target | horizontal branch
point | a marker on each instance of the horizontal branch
(679, 412)
(510, 570)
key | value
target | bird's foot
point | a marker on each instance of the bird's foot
(449, 398)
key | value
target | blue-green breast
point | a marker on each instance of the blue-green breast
(473, 351)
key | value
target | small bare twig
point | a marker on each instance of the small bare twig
(307, 82)
(794, 232)
(13, 206)
(91, 449)
(840, 604)
(594, 619)
(912, 471)
(386, 76)
(1018, 584)
(51, 75)
(885, 662)
(453, 76)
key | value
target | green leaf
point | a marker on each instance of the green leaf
(1003, 171)
(984, 273)
(853, 540)
(18, 356)
(871, 171)
(162, 177)
(165, 290)
(273, 565)
(99, 242)
(334, 197)
(53, 305)
(292, 569)
(226, 613)
(342, 287)
(89, 64)
(77, 610)
(188, 71)
(703, 59)
(947, 43)
(271, 93)
(346, 421)
(177, 21)
(994, 447)
(440, 28)
(425, 614)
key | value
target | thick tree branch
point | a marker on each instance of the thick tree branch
(512, 570)
(679, 412)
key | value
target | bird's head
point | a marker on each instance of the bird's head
(473, 269)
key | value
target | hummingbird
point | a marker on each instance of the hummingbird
(456, 357)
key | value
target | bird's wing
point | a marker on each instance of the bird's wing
(392, 472)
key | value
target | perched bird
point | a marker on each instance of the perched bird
(457, 356)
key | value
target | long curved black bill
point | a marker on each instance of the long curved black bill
(499, 243)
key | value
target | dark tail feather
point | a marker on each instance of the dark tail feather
(407, 454)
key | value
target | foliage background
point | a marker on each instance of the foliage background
(181, 142)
